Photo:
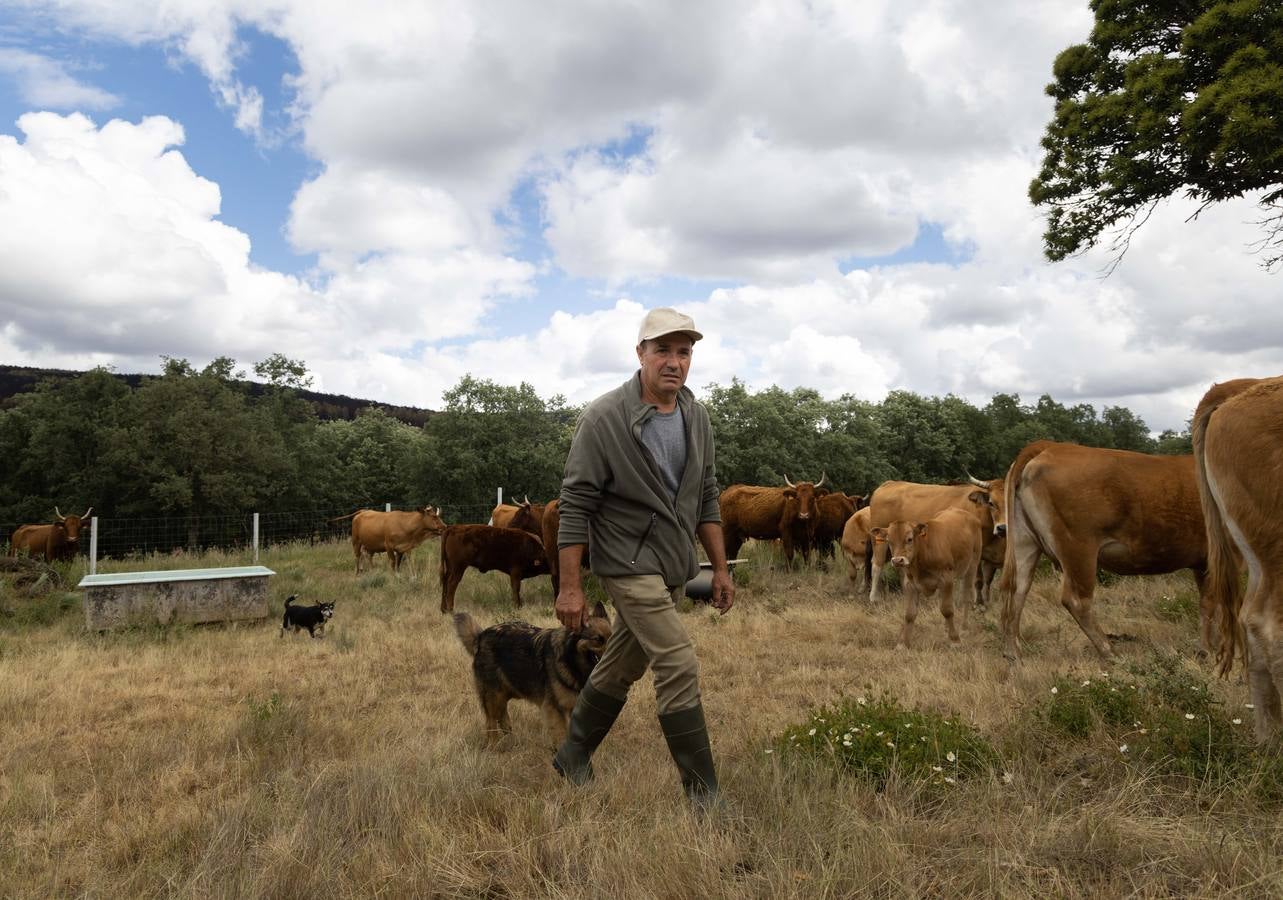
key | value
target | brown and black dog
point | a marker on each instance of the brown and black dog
(547, 666)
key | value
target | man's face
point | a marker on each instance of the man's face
(665, 361)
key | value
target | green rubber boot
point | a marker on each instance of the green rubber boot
(590, 721)
(687, 737)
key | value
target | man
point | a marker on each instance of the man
(639, 487)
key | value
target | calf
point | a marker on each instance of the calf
(488, 549)
(932, 555)
(857, 548)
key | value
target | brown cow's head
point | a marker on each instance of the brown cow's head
(901, 538)
(432, 520)
(528, 517)
(993, 497)
(71, 524)
(804, 493)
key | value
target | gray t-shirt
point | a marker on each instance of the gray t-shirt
(664, 434)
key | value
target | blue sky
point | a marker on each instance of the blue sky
(835, 190)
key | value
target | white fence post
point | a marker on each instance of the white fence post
(498, 501)
(256, 537)
(387, 507)
(93, 545)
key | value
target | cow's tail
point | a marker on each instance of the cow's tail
(348, 516)
(466, 628)
(1015, 516)
(1224, 589)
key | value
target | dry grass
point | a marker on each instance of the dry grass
(225, 761)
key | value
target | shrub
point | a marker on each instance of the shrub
(873, 739)
(1163, 718)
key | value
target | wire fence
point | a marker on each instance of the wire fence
(124, 538)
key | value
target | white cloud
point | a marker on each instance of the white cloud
(45, 83)
(119, 252)
(774, 140)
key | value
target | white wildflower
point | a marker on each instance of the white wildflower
(1087, 684)
(1237, 721)
(936, 769)
(1122, 748)
(770, 751)
(860, 700)
(1248, 706)
(1055, 690)
(951, 756)
(948, 780)
(1189, 715)
(923, 739)
(811, 732)
(1007, 778)
(891, 744)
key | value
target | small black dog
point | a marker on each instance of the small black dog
(310, 617)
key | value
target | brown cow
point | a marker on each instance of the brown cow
(486, 548)
(832, 511)
(501, 515)
(529, 517)
(61, 540)
(767, 513)
(1239, 468)
(933, 555)
(551, 525)
(856, 548)
(906, 501)
(1087, 507)
(395, 533)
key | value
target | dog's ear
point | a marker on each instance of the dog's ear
(598, 610)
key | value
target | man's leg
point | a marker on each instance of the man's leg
(600, 703)
(648, 608)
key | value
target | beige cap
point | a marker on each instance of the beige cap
(665, 320)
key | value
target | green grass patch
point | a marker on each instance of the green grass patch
(1162, 717)
(875, 739)
(1179, 607)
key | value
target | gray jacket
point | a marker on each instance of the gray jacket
(614, 500)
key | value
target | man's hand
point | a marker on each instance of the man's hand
(570, 606)
(723, 591)
(710, 535)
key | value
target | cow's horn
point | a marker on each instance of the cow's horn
(977, 482)
(525, 501)
(823, 475)
(59, 512)
(87, 512)
(789, 483)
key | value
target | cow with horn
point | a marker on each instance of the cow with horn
(59, 540)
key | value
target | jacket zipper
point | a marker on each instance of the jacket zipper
(642, 543)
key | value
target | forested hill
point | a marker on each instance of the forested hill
(16, 380)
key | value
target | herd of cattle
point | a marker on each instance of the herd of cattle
(1085, 508)
(1128, 513)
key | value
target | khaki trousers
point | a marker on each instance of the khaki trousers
(648, 632)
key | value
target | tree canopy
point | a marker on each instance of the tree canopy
(1164, 98)
(201, 444)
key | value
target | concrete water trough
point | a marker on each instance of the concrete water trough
(180, 596)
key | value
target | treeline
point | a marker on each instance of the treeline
(17, 380)
(202, 443)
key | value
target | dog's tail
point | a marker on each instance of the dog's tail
(466, 627)
(290, 600)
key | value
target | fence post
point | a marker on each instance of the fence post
(255, 537)
(498, 497)
(93, 545)
(387, 507)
